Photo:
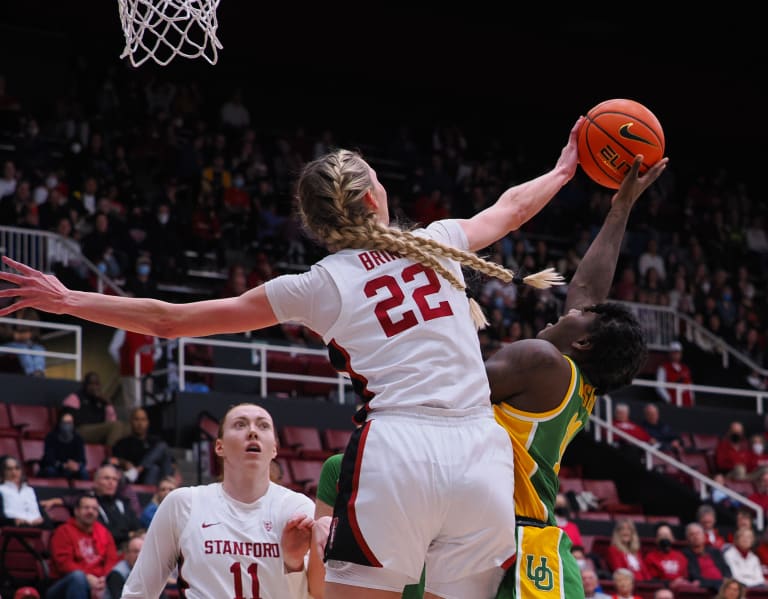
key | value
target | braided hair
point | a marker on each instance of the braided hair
(330, 203)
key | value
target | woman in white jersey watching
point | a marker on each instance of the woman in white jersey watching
(244, 537)
(427, 477)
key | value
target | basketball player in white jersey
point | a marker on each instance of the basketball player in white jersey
(427, 477)
(244, 537)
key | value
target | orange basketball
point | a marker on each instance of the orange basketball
(614, 132)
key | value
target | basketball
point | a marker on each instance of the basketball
(614, 132)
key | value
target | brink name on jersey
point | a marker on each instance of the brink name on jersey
(374, 258)
(225, 547)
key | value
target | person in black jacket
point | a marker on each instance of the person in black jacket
(115, 511)
(706, 565)
(64, 450)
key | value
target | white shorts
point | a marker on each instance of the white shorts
(424, 487)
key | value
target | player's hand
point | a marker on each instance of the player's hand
(634, 184)
(320, 535)
(295, 542)
(569, 156)
(34, 289)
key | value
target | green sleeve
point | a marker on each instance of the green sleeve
(327, 486)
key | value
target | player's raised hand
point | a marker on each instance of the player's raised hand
(33, 289)
(295, 542)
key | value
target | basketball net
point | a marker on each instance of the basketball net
(163, 29)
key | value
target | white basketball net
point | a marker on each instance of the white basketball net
(163, 29)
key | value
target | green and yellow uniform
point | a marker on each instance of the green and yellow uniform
(544, 565)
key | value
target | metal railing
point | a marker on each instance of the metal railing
(75, 356)
(706, 484)
(44, 249)
(258, 350)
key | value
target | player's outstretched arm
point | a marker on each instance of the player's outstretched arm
(34, 289)
(591, 283)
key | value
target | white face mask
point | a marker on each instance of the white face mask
(757, 447)
(163, 218)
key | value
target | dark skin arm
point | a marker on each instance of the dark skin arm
(532, 375)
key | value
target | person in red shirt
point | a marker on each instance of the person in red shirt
(563, 516)
(732, 456)
(706, 566)
(707, 517)
(673, 370)
(624, 550)
(664, 562)
(622, 422)
(82, 553)
(760, 496)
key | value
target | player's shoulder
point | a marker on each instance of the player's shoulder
(289, 497)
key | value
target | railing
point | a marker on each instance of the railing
(42, 249)
(605, 428)
(75, 356)
(258, 351)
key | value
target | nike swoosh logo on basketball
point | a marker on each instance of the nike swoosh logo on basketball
(207, 524)
(625, 132)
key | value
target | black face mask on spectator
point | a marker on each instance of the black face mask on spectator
(735, 437)
(664, 544)
(561, 511)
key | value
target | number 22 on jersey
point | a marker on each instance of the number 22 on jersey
(394, 292)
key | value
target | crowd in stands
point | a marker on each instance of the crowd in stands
(159, 187)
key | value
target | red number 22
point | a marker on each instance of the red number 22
(397, 297)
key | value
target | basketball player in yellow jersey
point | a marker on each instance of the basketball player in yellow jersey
(543, 391)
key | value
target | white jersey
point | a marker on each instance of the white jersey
(401, 331)
(223, 548)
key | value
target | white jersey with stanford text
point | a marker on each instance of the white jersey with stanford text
(401, 331)
(224, 548)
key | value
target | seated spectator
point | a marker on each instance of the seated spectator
(731, 589)
(707, 517)
(624, 550)
(32, 364)
(706, 566)
(759, 458)
(64, 450)
(664, 562)
(745, 518)
(582, 559)
(95, 417)
(592, 585)
(674, 370)
(744, 564)
(721, 498)
(82, 553)
(622, 422)
(662, 435)
(18, 501)
(119, 573)
(563, 515)
(732, 456)
(115, 511)
(165, 486)
(624, 581)
(760, 496)
(663, 594)
(143, 458)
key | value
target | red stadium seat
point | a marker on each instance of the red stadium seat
(335, 440)
(305, 441)
(31, 454)
(319, 366)
(284, 363)
(6, 427)
(608, 496)
(10, 446)
(306, 473)
(95, 455)
(34, 420)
